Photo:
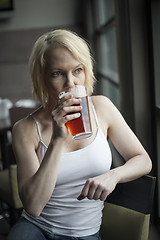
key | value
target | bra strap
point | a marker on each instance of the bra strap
(94, 112)
(38, 129)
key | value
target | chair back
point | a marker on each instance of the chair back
(16, 202)
(127, 210)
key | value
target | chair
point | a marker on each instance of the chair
(9, 193)
(8, 176)
(15, 114)
(127, 210)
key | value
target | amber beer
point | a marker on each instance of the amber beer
(80, 127)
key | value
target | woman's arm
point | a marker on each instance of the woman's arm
(35, 181)
(138, 163)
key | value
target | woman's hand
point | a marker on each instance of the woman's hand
(99, 187)
(68, 108)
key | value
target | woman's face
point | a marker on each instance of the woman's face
(63, 71)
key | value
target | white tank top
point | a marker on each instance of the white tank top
(64, 214)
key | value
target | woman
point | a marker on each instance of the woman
(63, 182)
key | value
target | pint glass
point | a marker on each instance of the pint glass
(80, 127)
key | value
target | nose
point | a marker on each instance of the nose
(69, 80)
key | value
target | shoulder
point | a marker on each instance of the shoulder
(23, 124)
(23, 127)
(27, 123)
(101, 101)
(25, 132)
(106, 110)
(103, 104)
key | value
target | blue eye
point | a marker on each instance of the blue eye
(56, 74)
(78, 70)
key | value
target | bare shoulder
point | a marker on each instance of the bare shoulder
(27, 125)
(22, 125)
(24, 131)
(101, 102)
(105, 108)
(99, 99)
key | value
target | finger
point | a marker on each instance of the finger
(85, 190)
(71, 109)
(69, 100)
(104, 195)
(63, 120)
(92, 190)
(65, 114)
(66, 101)
(98, 193)
(80, 197)
(70, 117)
(64, 110)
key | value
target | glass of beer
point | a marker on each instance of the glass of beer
(80, 127)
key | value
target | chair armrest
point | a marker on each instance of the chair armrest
(136, 195)
(16, 202)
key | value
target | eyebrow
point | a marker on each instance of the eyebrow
(57, 68)
(79, 65)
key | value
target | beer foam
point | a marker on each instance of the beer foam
(78, 91)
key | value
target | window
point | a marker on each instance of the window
(124, 46)
(155, 87)
(106, 49)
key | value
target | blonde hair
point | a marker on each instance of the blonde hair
(65, 38)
